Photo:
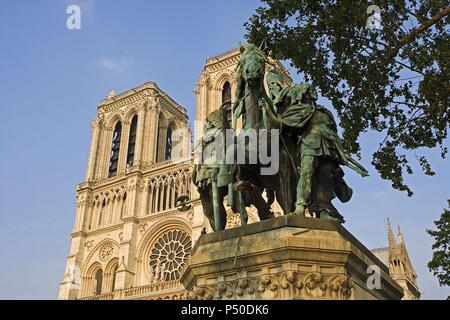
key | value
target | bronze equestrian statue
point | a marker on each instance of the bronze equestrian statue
(310, 151)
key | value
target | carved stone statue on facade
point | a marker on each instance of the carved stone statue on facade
(157, 272)
(151, 278)
(162, 276)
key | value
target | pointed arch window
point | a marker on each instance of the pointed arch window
(114, 160)
(132, 141)
(113, 275)
(168, 143)
(98, 282)
(226, 98)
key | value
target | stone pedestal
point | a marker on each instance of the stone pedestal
(288, 257)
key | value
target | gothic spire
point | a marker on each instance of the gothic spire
(400, 235)
(111, 94)
(391, 238)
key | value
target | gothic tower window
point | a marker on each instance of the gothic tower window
(114, 160)
(226, 98)
(168, 143)
(132, 141)
(161, 139)
(98, 282)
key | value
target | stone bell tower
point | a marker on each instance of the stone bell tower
(129, 241)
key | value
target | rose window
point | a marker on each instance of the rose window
(106, 251)
(168, 255)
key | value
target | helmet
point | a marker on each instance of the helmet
(274, 76)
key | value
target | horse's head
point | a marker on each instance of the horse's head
(251, 64)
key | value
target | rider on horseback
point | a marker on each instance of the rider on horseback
(319, 150)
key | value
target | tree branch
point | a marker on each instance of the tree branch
(409, 67)
(414, 33)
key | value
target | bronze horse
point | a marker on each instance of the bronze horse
(249, 94)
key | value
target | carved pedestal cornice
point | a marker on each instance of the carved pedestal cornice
(286, 285)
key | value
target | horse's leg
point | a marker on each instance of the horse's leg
(240, 197)
(253, 191)
(341, 188)
(242, 209)
(222, 212)
(261, 205)
(324, 191)
(207, 205)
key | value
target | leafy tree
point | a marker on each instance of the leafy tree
(440, 263)
(393, 79)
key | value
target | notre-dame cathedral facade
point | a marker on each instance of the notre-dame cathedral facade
(129, 241)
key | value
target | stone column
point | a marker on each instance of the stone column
(107, 211)
(79, 210)
(202, 105)
(144, 200)
(140, 134)
(158, 188)
(101, 212)
(100, 152)
(88, 214)
(172, 199)
(93, 216)
(95, 131)
(152, 134)
(187, 140)
(98, 213)
(137, 278)
(121, 205)
(150, 203)
(161, 196)
(149, 135)
(116, 205)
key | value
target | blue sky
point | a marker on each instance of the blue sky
(51, 81)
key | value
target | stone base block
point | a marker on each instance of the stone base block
(288, 257)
